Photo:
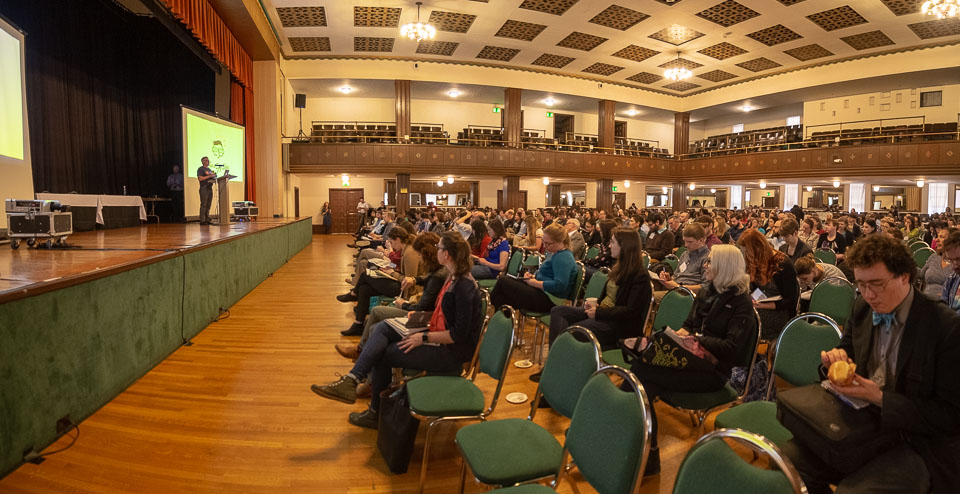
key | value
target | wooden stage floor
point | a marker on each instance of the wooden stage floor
(234, 413)
(24, 272)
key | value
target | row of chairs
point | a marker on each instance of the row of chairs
(920, 250)
(749, 141)
(896, 133)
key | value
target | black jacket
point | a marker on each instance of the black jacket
(787, 287)
(801, 250)
(461, 312)
(632, 303)
(798, 212)
(431, 283)
(925, 405)
(726, 324)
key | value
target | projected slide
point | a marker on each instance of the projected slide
(11, 97)
(222, 142)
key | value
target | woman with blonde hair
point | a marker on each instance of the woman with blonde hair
(721, 321)
(533, 240)
(556, 277)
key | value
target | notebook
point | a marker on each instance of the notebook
(417, 322)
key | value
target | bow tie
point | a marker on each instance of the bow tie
(886, 319)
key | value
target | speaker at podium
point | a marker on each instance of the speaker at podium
(223, 198)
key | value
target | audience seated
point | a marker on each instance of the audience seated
(497, 252)
(938, 268)
(810, 272)
(832, 239)
(951, 287)
(691, 269)
(556, 276)
(448, 343)
(660, 240)
(905, 347)
(771, 275)
(578, 245)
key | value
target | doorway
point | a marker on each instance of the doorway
(619, 128)
(620, 198)
(296, 202)
(523, 199)
(562, 125)
(343, 202)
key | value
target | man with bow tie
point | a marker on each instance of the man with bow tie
(907, 350)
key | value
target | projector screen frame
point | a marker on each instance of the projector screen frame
(191, 185)
(17, 173)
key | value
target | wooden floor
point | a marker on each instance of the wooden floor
(234, 413)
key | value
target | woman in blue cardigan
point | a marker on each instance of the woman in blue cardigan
(556, 277)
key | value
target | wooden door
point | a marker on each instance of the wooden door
(296, 203)
(621, 199)
(523, 199)
(343, 202)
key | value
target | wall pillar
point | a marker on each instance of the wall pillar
(512, 117)
(680, 196)
(606, 126)
(604, 193)
(402, 100)
(681, 133)
(553, 195)
(403, 193)
(511, 192)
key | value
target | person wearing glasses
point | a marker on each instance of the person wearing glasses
(951, 287)
(453, 333)
(906, 347)
(555, 277)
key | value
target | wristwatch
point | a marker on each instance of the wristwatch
(426, 337)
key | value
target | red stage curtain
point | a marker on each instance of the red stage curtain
(236, 101)
(207, 26)
(251, 168)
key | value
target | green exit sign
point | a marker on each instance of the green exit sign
(496, 109)
(614, 188)
(769, 193)
(549, 114)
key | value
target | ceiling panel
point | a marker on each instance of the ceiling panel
(623, 42)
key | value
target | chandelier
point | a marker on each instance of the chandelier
(677, 73)
(941, 8)
(418, 31)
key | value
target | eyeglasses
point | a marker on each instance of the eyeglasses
(441, 247)
(875, 287)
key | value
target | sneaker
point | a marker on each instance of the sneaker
(347, 297)
(355, 329)
(348, 350)
(343, 389)
(367, 418)
(653, 463)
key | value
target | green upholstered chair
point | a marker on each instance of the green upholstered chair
(833, 297)
(917, 245)
(673, 262)
(674, 309)
(615, 356)
(921, 255)
(827, 256)
(447, 398)
(646, 260)
(592, 252)
(796, 358)
(513, 268)
(680, 251)
(597, 282)
(713, 466)
(543, 318)
(698, 405)
(608, 423)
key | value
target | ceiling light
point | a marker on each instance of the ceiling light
(836, 183)
(549, 102)
(713, 191)
(626, 184)
(449, 179)
(418, 31)
(746, 108)
(439, 183)
(664, 188)
(346, 89)
(632, 113)
(693, 186)
(920, 183)
(546, 181)
(453, 93)
(876, 188)
(941, 8)
(763, 184)
(677, 73)
(345, 180)
(809, 188)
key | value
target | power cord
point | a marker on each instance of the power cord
(37, 458)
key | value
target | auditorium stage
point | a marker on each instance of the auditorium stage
(78, 326)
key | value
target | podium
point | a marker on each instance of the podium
(223, 199)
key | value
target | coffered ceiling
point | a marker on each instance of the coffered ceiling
(627, 42)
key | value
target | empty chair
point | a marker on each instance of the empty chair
(833, 297)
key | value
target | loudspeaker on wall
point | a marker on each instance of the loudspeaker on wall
(300, 101)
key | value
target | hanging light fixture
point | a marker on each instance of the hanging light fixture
(876, 188)
(449, 179)
(941, 9)
(920, 183)
(626, 184)
(763, 184)
(345, 180)
(809, 188)
(418, 31)
(693, 186)
(677, 73)
(664, 188)
(713, 191)
(439, 183)
(836, 183)
(546, 181)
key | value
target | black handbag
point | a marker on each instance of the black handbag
(397, 430)
(666, 351)
(841, 436)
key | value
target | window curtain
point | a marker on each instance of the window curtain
(736, 197)
(936, 198)
(790, 193)
(913, 198)
(858, 197)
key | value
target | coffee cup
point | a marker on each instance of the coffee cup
(590, 302)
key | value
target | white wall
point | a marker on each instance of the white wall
(315, 190)
(754, 120)
(872, 106)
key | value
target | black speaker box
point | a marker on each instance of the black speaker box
(300, 101)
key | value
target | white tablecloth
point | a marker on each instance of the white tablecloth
(96, 200)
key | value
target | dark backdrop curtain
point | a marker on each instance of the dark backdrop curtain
(104, 89)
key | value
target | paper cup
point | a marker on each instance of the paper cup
(590, 302)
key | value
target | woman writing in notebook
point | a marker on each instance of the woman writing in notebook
(772, 276)
(450, 340)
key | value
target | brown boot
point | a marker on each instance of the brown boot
(364, 390)
(348, 350)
